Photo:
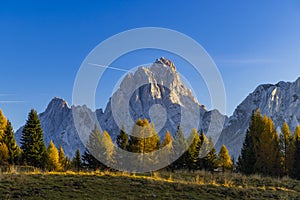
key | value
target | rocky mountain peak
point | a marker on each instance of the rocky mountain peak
(296, 85)
(57, 103)
(279, 101)
(156, 93)
(148, 86)
(165, 62)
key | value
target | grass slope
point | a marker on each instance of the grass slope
(162, 185)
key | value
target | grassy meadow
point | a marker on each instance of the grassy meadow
(158, 185)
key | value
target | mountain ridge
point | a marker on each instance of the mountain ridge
(279, 101)
(161, 85)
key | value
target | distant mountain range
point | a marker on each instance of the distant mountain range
(161, 85)
(281, 102)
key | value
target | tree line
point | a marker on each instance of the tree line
(268, 153)
(200, 154)
(33, 151)
(264, 151)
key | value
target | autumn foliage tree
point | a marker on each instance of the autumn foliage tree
(52, 162)
(9, 140)
(268, 150)
(144, 138)
(295, 173)
(4, 155)
(61, 158)
(167, 148)
(284, 142)
(3, 122)
(224, 159)
(261, 152)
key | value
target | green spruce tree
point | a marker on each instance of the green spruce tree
(67, 164)
(32, 141)
(92, 153)
(193, 151)
(76, 162)
(180, 147)
(122, 139)
(247, 159)
(208, 154)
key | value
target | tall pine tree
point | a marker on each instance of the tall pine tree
(32, 141)
(247, 159)
(261, 150)
(91, 155)
(208, 154)
(76, 162)
(180, 147)
(193, 150)
(122, 139)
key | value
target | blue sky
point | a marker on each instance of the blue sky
(42, 44)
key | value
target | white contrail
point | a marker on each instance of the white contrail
(3, 102)
(108, 67)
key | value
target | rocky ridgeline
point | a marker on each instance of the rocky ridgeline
(158, 94)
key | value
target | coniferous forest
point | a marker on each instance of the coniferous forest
(265, 151)
(267, 167)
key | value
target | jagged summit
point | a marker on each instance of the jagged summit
(57, 102)
(165, 62)
(148, 86)
(156, 93)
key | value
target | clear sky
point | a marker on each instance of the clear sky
(42, 44)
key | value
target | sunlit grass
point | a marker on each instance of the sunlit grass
(27, 183)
